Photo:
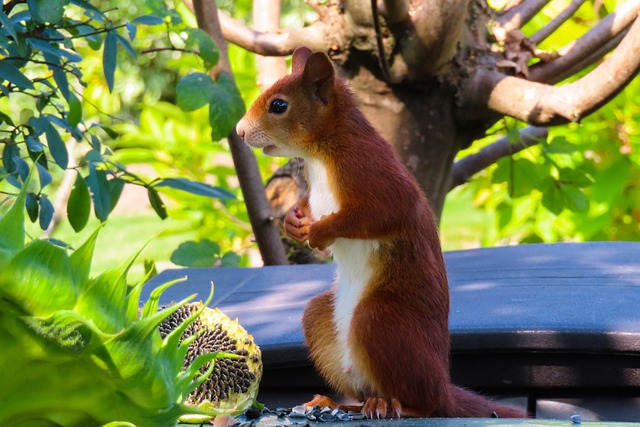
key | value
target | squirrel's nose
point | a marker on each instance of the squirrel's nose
(240, 128)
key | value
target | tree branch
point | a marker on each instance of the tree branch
(607, 29)
(318, 36)
(515, 17)
(260, 215)
(465, 168)
(595, 56)
(556, 22)
(266, 17)
(545, 105)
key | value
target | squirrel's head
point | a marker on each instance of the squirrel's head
(288, 117)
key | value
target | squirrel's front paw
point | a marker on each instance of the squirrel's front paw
(296, 224)
(317, 238)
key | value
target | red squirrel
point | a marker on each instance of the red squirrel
(381, 334)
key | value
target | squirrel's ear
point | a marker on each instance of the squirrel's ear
(300, 56)
(319, 72)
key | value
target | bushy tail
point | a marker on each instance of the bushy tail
(465, 403)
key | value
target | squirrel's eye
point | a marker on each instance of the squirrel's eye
(278, 106)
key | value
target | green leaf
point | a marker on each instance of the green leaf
(522, 175)
(44, 175)
(38, 279)
(194, 187)
(8, 25)
(59, 74)
(207, 49)
(110, 58)
(576, 176)
(31, 204)
(156, 203)
(46, 211)
(47, 10)
(99, 186)
(552, 197)
(12, 236)
(12, 74)
(132, 30)
(203, 253)
(574, 198)
(81, 260)
(34, 145)
(126, 45)
(559, 144)
(194, 91)
(79, 204)
(57, 148)
(226, 108)
(89, 10)
(49, 48)
(116, 185)
(230, 259)
(75, 110)
(148, 20)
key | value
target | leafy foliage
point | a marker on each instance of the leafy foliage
(42, 44)
(581, 184)
(101, 358)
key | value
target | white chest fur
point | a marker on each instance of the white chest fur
(353, 260)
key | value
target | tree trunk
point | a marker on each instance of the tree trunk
(418, 119)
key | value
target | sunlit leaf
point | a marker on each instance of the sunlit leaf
(207, 49)
(226, 108)
(75, 110)
(194, 91)
(79, 204)
(196, 254)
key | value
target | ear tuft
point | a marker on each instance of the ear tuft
(319, 72)
(299, 59)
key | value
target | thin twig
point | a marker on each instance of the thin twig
(517, 16)
(169, 48)
(556, 22)
(382, 56)
(577, 51)
(470, 165)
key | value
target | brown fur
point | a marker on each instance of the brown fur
(398, 335)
